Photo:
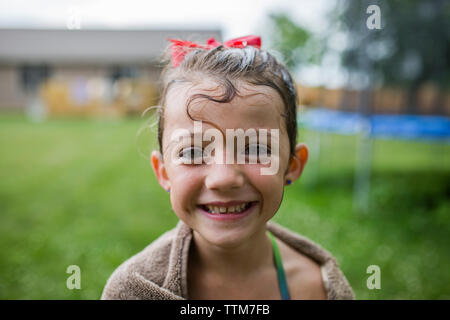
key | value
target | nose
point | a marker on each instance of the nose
(224, 177)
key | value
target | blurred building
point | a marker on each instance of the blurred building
(384, 100)
(81, 68)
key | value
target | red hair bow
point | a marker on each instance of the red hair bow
(180, 48)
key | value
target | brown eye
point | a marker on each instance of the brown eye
(255, 150)
(190, 153)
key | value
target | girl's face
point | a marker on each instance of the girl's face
(200, 193)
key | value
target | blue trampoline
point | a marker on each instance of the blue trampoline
(431, 128)
(386, 126)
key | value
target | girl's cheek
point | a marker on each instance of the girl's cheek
(254, 171)
(269, 186)
(185, 184)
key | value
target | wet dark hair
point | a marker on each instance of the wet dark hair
(227, 66)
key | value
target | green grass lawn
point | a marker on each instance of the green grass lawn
(81, 192)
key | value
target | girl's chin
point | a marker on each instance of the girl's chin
(227, 234)
(228, 240)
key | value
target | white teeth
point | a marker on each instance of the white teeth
(222, 210)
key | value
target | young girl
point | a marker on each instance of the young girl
(224, 246)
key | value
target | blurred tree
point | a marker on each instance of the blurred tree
(411, 48)
(297, 44)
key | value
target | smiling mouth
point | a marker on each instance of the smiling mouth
(234, 209)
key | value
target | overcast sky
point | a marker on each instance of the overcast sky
(234, 17)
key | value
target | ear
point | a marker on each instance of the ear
(160, 170)
(297, 163)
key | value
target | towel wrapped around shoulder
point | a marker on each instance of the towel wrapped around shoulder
(159, 272)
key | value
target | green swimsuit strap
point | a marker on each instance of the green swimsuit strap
(280, 270)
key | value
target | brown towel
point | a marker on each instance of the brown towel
(159, 272)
